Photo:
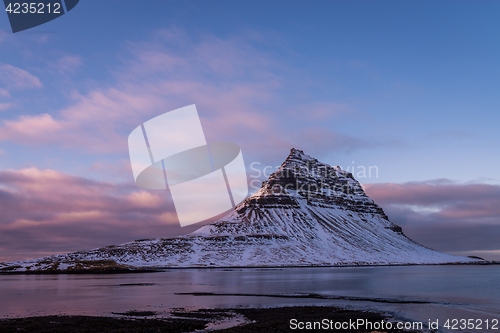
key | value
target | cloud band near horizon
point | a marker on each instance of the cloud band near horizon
(45, 212)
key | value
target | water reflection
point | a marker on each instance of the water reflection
(471, 291)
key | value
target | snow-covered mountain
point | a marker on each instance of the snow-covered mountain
(306, 213)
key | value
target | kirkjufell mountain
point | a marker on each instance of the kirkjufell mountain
(306, 214)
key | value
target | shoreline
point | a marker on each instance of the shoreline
(231, 320)
(120, 270)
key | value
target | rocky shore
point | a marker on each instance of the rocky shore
(238, 320)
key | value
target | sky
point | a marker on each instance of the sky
(409, 88)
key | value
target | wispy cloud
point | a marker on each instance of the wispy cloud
(450, 134)
(236, 87)
(442, 214)
(29, 129)
(441, 192)
(6, 106)
(3, 35)
(4, 93)
(67, 64)
(17, 78)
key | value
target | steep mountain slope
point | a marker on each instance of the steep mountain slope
(306, 213)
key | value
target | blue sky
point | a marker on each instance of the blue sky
(408, 86)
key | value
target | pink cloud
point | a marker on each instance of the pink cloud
(4, 93)
(446, 216)
(145, 199)
(68, 64)
(18, 78)
(3, 35)
(45, 211)
(6, 106)
(443, 200)
(28, 129)
(236, 88)
(440, 192)
(93, 123)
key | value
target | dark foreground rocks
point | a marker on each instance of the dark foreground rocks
(257, 320)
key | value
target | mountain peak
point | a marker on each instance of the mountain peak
(298, 155)
(303, 178)
(297, 158)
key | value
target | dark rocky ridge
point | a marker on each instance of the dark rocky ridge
(301, 176)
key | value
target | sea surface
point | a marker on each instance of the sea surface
(410, 293)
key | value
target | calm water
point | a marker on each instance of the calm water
(453, 292)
